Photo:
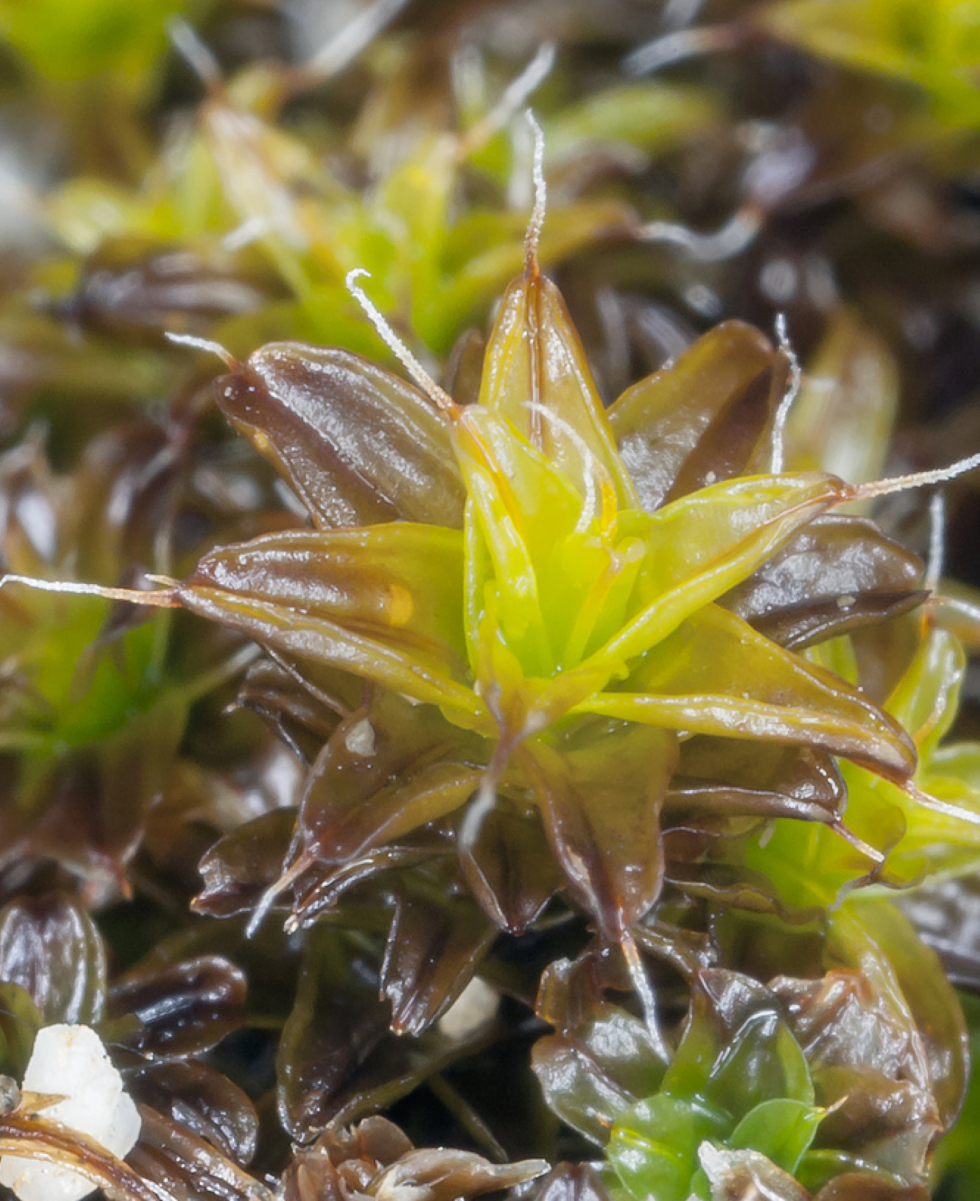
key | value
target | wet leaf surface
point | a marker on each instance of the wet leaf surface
(203, 1102)
(174, 1158)
(356, 443)
(179, 1009)
(705, 418)
(435, 945)
(599, 811)
(54, 951)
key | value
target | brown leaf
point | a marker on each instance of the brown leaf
(381, 602)
(51, 1142)
(837, 573)
(701, 419)
(179, 1009)
(862, 1186)
(358, 444)
(438, 938)
(441, 1174)
(52, 948)
(600, 785)
(728, 775)
(241, 866)
(204, 1102)
(572, 1182)
(509, 865)
(189, 1168)
(389, 768)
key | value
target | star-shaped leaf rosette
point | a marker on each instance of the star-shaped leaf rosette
(527, 622)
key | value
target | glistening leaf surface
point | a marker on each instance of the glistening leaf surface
(537, 376)
(716, 675)
(702, 419)
(382, 602)
(600, 785)
(358, 444)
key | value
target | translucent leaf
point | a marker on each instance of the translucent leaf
(781, 1129)
(702, 419)
(358, 444)
(600, 786)
(573, 1182)
(862, 1186)
(536, 375)
(50, 946)
(743, 1174)
(715, 675)
(842, 419)
(381, 601)
(132, 288)
(935, 47)
(653, 1147)
(925, 699)
(335, 1024)
(700, 546)
(300, 718)
(737, 1050)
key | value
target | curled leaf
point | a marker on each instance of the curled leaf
(357, 443)
(51, 947)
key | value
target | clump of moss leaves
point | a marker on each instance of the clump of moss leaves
(546, 758)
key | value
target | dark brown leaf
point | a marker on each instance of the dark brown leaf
(509, 866)
(187, 1167)
(338, 1060)
(438, 937)
(241, 866)
(177, 1010)
(52, 948)
(702, 419)
(204, 1102)
(600, 785)
(837, 573)
(358, 444)
(336, 1022)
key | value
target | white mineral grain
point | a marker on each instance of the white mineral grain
(70, 1061)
